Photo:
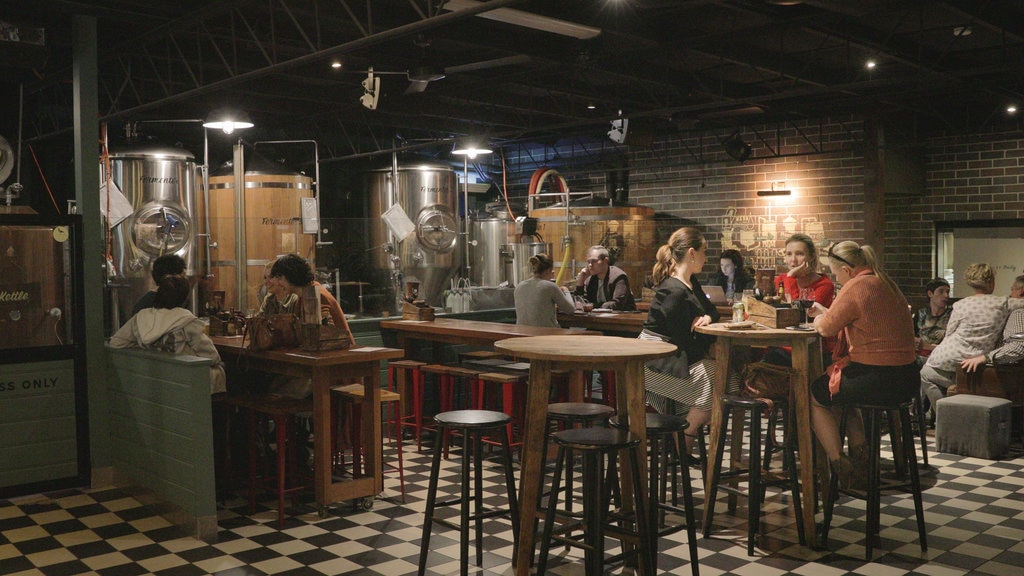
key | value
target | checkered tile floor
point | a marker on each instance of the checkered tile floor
(974, 509)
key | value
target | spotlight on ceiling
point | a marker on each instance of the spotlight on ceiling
(737, 148)
(227, 120)
(870, 64)
(371, 90)
(1011, 109)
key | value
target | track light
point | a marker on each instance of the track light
(371, 90)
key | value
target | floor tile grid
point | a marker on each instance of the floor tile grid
(973, 508)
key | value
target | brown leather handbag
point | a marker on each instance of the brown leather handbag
(764, 380)
(271, 331)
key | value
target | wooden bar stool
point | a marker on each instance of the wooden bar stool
(512, 395)
(664, 436)
(353, 395)
(905, 457)
(569, 415)
(406, 378)
(599, 447)
(473, 425)
(758, 480)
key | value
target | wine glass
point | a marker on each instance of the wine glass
(806, 301)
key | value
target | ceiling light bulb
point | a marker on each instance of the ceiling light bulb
(591, 107)
(228, 127)
(335, 64)
(870, 64)
(1011, 109)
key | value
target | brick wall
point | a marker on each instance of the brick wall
(978, 177)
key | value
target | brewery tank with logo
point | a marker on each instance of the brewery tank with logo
(417, 201)
(159, 183)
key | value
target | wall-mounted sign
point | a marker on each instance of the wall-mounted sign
(21, 296)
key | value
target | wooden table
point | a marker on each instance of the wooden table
(624, 356)
(609, 323)
(326, 369)
(806, 362)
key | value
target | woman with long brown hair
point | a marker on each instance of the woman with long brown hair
(680, 305)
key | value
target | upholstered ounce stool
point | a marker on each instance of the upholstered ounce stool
(971, 425)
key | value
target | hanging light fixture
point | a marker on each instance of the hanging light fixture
(227, 120)
(467, 150)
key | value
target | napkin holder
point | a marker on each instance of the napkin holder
(417, 310)
(772, 316)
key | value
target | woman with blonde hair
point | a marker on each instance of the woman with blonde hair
(679, 306)
(974, 328)
(874, 360)
(538, 297)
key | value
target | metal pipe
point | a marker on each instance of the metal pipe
(240, 248)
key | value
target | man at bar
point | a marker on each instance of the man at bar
(604, 285)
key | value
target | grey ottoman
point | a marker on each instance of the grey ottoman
(970, 425)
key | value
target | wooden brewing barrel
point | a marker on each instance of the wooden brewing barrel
(272, 223)
(627, 231)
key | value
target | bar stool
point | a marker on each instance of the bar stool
(664, 436)
(597, 444)
(566, 415)
(512, 388)
(406, 378)
(753, 473)
(282, 411)
(872, 415)
(353, 396)
(473, 424)
(440, 371)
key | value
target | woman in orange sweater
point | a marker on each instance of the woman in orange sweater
(874, 359)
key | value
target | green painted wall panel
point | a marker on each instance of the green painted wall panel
(37, 422)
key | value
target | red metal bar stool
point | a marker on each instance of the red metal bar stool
(444, 385)
(353, 395)
(513, 392)
(406, 378)
(282, 411)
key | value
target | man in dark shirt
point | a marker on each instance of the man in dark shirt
(604, 285)
(165, 265)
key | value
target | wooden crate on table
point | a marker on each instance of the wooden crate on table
(772, 316)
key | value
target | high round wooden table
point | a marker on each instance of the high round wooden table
(806, 362)
(625, 357)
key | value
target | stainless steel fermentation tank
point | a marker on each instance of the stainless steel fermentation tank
(490, 234)
(430, 253)
(160, 184)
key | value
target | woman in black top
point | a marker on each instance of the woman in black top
(732, 277)
(680, 305)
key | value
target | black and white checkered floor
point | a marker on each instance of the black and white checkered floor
(974, 510)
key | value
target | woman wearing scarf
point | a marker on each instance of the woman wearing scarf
(874, 358)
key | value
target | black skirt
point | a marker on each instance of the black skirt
(868, 384)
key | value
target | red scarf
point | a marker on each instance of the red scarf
(841, 353)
